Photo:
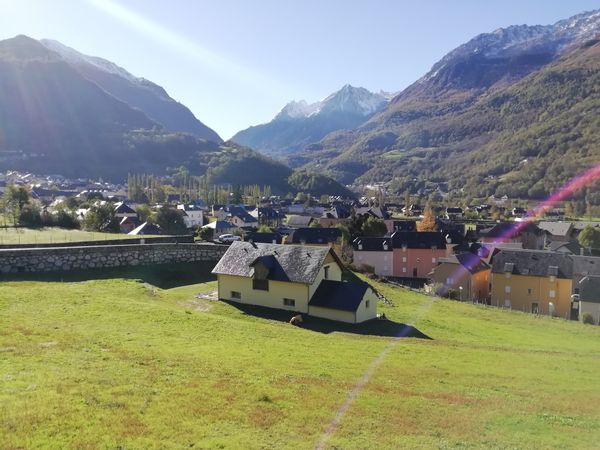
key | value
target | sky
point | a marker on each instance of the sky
(236, 63)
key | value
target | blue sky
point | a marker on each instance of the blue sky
(236, 63)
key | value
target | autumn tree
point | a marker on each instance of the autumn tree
(427, 223)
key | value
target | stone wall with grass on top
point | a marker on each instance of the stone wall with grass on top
(64, 259)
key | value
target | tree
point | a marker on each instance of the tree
(345, 233)
(428, 221)
(206, 234)
(590, 237)
(315, 224)
(374, 227)
(101, 218)
(264, 229)
(71, 203)
(65, 219)
(144, 212)
(29, 216)
(170, 220)
(13, 201)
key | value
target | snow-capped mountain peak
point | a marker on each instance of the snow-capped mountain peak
(349, 99)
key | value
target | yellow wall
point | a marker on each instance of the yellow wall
(273, 298)
(521, 299)
(332, 314)
(335, 273)
(363, 313)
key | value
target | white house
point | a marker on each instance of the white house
(193, 216)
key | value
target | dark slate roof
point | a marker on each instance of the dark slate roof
(146, 228)
(589, 289)
(242, 214)
(299, 221)
(556, 228)
(537, 263)
(573, 247)
(265, 238)
(586, 265)
(413, 239)
(345, 296)
(372, 211)
(372, 244)
(123, 208)
(268, 212)
(337, 212)
(454, 210)
(471, 262)
(298, 264)
(510, 230)
(129, 219)
(316, 235)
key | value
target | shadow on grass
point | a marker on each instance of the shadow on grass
(164, 276)
(384, 328)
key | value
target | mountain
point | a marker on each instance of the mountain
(299, 123)
(513, 111)
(140, 93)
(64, 113)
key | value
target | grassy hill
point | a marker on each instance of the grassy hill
(118, 363)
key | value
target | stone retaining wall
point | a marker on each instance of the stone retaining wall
(81, 258)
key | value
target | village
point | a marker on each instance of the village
(293, 253)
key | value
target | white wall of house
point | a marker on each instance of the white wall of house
(194, 218)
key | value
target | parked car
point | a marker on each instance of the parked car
(229, 238)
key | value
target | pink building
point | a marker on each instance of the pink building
(415, 254)
(374, 252)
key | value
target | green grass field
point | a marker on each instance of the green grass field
(54, 235)
(124, 364)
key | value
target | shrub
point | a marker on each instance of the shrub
(206, 234)
(29, 216)
(587, 318)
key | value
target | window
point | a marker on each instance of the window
(368, 303)
(404, 270)
(535, 308)
(529, 291)
(236, 295)
(404, 259)
(289, 302)
(507, 303)
(552, 278)
(326, 272)
(552, 294)
(448, 281)
(360, 246)
(433, 260)
(507, 274)
(507, 289)
(260, 285)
